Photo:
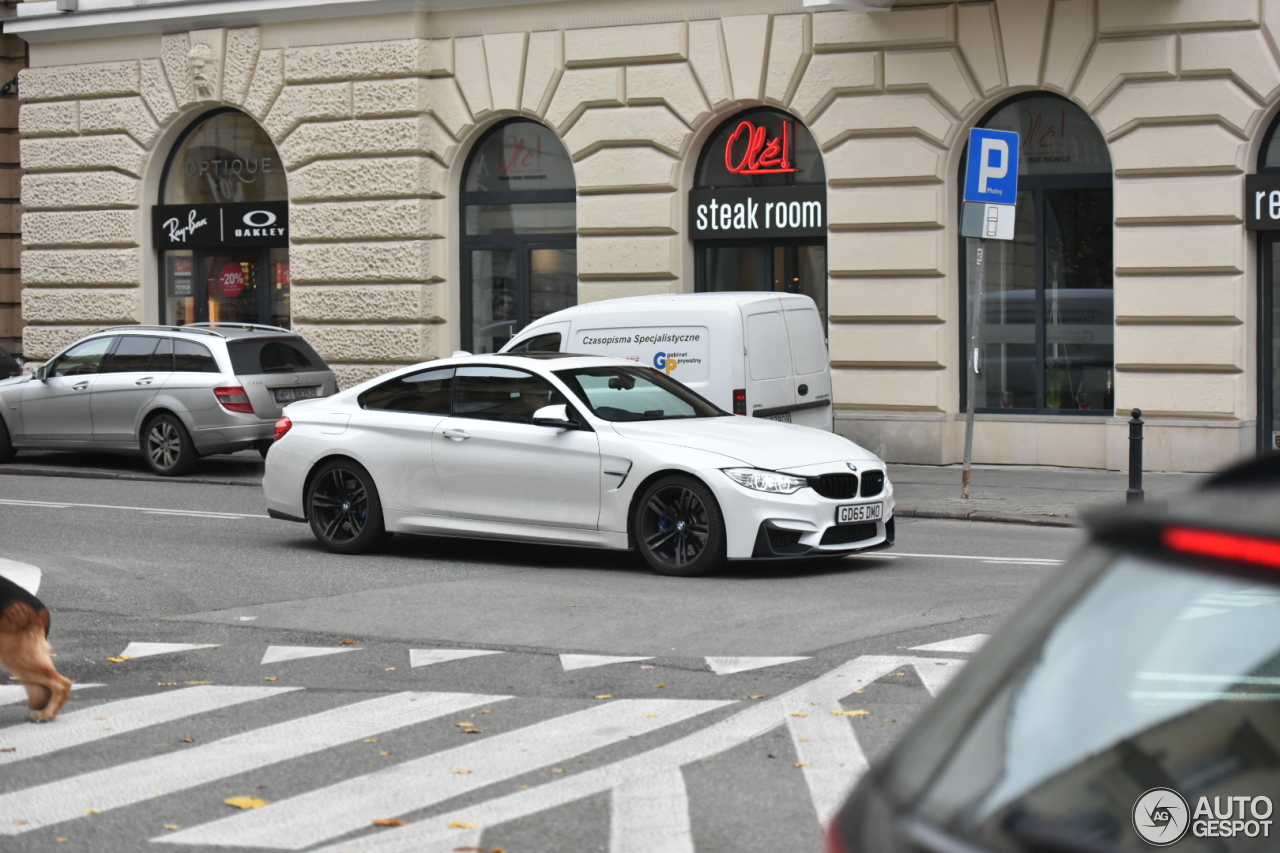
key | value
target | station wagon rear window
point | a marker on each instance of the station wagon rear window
(251, 356)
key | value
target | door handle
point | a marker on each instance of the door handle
(146, 381)
(457, 434)
(80, 386)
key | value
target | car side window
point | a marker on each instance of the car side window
(82, 359)
(539, 343)
(131, 355)
(425, 393)
(192, 357)
(162, 358)
(501, 394)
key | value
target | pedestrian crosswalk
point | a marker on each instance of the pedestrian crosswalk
(447, 793)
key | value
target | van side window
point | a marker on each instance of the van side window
(767, 351)
(808, 350)
(539, 343)
(425, 393)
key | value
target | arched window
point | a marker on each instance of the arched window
(221, 226)
(519, 227)
(1263, 218)
(1048, 316)
(759, 163)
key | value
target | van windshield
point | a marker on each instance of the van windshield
(636, 394)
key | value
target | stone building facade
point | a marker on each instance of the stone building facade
(374, 108)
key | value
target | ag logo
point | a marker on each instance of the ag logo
(1161, 817)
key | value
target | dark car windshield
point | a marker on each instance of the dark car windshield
(635, 394)
(1150, 676)
(250, 356)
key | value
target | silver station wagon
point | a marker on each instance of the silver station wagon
(173, 393)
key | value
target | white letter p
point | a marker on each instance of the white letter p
(985, 169)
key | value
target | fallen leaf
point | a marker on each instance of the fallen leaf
(17, 821)
(272, 678)
(460, 771)
(524, 787)
(199, 682)
(246, 802)
(899, 673)
(557, 769)
(14, 678)
(172, 826)
(802, 764)
(646, 667)
(605, 696)
(651, 715)
(661, 685)
(805, 739)
(187, 739)
(466, 725)
(61, 840)
(347, 642)
(8, 749)
(798, 714)
(851, 713)
(940, 663)
(91, 811)
(390, 669)
(120, 659)
(472, 731)
(386, 821)
(371, 740)
(384, 753)
(166, 684)
(486, 712)
(859, 691)
(757, 696)
(457, 824)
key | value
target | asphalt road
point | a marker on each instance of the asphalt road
(337, 688)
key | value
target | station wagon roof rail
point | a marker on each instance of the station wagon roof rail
(145, 328)
(254, 327)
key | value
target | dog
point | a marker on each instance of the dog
(24, 650)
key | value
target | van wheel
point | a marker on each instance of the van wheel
(167, 447)
(679, 528)
(6, 444)
(344, 509)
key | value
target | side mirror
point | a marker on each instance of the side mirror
(554, 416)
(42, 373)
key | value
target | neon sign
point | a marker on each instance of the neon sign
(759, 155)
(523, 158)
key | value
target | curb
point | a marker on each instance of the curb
(980, 515)
(89, 474)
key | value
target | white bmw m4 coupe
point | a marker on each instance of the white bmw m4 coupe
(570, 450)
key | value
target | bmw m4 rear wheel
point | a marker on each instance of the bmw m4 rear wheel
(343, 508)
(678, 527)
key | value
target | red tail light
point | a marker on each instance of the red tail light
(282, 427)
(740, 401)
(234, 399)
(1226, 546)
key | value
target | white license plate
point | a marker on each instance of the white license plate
(861, 512)
(288, 395)
(785, 417)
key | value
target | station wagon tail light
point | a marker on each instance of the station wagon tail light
(1225, 546)
(234, 399)
(740, 401)
(282, 428)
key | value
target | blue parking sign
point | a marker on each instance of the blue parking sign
(992, 169)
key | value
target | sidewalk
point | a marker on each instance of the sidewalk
(1011, 493)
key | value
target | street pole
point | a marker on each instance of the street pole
(975, 349)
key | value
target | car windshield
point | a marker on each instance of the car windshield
(1153, 676)
(635, 394)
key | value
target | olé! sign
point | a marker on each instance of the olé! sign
(262, 224)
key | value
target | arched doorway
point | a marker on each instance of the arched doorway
(221, 227)
(758, 208)
(1048, 312)
(519, 233)
(1262, 214)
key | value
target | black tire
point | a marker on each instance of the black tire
(6, 444)
(167, 447)
(344, 510)
(263, 448)
(679, 528)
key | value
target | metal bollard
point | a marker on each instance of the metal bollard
(1135, 494)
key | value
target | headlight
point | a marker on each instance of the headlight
(766, 481)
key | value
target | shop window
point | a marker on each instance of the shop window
(758, 208)
(221, 226)
(519, 233)
(1261, 216)
(1047, 312)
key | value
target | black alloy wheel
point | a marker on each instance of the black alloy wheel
(167, 447)
(343, 508)
(678, 527)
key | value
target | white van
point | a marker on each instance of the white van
(753, 353)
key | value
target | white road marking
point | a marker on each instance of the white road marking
(146, 509)
(13, 693)
(142, 650)
(434, 835)
(828, 747)
(426, 657)
(728, 666)
(572, 662)
(279, 654)
(126, 715)
(326, 813)
(138, 781)
(965, 645)
(651, 815)
(937, 674)
(23, 574)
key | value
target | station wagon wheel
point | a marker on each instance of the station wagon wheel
(678, 527)
(167, 446)
(343, 508)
